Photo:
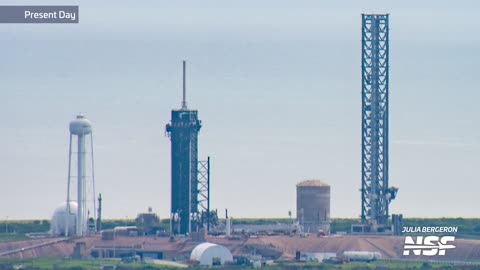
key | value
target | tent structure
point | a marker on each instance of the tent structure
(209, 254)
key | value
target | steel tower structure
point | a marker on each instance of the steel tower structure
(183, 132)
(376, 195)
(204, 192)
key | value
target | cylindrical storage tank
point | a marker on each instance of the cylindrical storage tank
(313, 202)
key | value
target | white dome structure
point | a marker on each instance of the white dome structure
(206, 253)
(63, 222)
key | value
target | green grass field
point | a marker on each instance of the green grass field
(8, 237)
(363, 265)
(61, 263)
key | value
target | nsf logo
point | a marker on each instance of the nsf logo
(428, 245)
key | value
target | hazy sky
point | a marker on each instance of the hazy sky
(277, 87)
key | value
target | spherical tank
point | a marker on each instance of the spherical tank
(313, 202)
(80, 126)
(63, 220)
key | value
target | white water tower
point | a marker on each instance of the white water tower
(81, 128)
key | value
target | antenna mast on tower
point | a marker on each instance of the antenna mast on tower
(184, 99)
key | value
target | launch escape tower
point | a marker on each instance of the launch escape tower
(376, 195)
(183, 132)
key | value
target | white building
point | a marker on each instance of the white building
(208, 253)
